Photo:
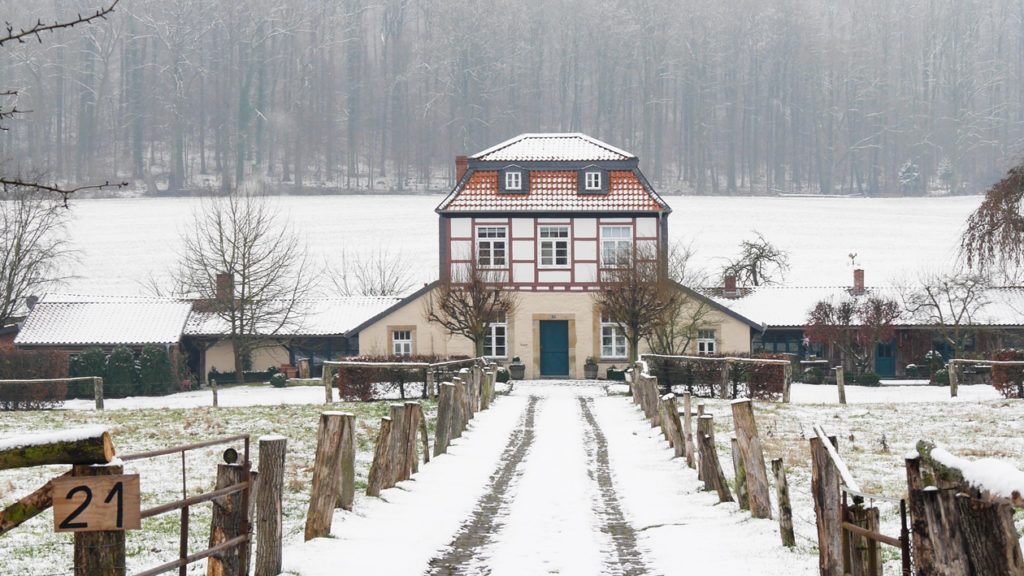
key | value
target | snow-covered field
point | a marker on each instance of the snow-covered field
(122, 242)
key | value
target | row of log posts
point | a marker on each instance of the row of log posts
(752, 458)
(331, 473)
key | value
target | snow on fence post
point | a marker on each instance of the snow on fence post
(397, 452)
(97, 392)
(714, 477)
(688, 428)
(380, 466)
(826, 493)
(228, 521)
(443, 427)
(841, 383)
(753, 458)
(785, 508)
(326, 471)
(347, 470)
(740, 471)
(953, 379)
(269, 506)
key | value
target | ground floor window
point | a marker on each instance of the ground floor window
(613, 340)
(496, 340)
(705, 342)
(401, 342)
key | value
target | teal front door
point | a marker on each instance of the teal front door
(554, 347)
(885, 360)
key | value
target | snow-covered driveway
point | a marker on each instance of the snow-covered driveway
(556, 479)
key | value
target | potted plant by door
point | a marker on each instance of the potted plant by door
(516, 369)
(614, 373)
(590, 369)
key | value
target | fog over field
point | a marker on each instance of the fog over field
(121, 242)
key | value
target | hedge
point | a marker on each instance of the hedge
(370, 382)
(1008, 380)
(151, 374)
(32, 365)
(702, 378)
(249, 376)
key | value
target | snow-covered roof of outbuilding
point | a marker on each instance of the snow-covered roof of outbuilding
(789, 306)
(313, 317)
(77, 320)
(552, 147)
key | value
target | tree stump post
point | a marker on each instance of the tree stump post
(227, 523)
(380, 466)
(97, 392)
(785, 508)
(466, 377)
(635, 381)
(326, 471)
(477, 387)
(412, 429)
(723, 385)
(688, 429)
(458, 417)
(753, 458)
(742, 498)
(94, 448)
(653, 398)
(826, 492)
(939, 545)
(714, 477)
(327, 382)
(443, 427)
(270, 505)
(347, 463)
(992, 543)
(787, 382)
(488, 391)
(99, 553)
(841, 383)
(675, 426)
(954, 379)
(398, 452)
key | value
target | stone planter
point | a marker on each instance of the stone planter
(590, 371)
(517, 371)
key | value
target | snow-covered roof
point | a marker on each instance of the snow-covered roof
(789, 306)
(315, 317)
(553, 191)
(77, 320)
(552, 147)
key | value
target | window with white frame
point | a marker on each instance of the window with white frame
(513, 180)
(496, 340)
(705, 342)
(401, 342)
(554, 246)
(491, 246)
(616, 243)
(592, 181)
(613, 340)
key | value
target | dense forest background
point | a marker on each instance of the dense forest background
(876, 97)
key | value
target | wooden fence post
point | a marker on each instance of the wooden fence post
(740, 471)
(269, 509)
(700, 452)
(380, 466)
(993, 546)
(787, 382)
(723, 391)
(841, 383)
(443, 426)
(674, 427)
(825, 490)
(953, 379)
(477, 386)
(97, 392)
(227, 522)
(466, 377)
(939, 547)
(458, 417)
(99, 553)
(785, 508)
(398, 452)
(688, 429)
(714, 477)
(488, 390)
(637, 372)
(411, 461)
(753, 458)
(213, 388)
(423, 436)
(326, 469)
(328, 383)
(347, 463)
(864, 558)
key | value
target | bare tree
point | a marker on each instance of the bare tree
(689, 310)
(377, 273)
(994, 236)
(760, 262)
(638, 297)
(241, 235)
(950, 303)
(469, 303)
(854, 326)
(33, 247)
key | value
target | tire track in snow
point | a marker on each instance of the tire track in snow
(629, 561)
(476, 534)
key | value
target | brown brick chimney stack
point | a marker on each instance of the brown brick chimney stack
(461, 165)
(225, 287)
(858, 281)
(730, 287)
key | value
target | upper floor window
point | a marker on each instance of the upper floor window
(705, 342)
(491, 246)
(592, 181)
(554, 246)
(613, 339)
(616, 244)
(401, 342)
(513, 180)
(496, 339)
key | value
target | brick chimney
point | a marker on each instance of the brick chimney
(461, 165)
(858, 281)
(730, 287)
(225, 287)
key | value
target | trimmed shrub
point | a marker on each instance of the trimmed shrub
(764, 381)
(1008, 380)
(279, 380)
(121, 377)
(869, 379)
(250, 377)
(502, 374)
(91, 362)
(812, 375)
(156, 377)
(940, 377)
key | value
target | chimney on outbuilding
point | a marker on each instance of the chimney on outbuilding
(730, 287)
(225, 287)
(858, 281)
(461, 165)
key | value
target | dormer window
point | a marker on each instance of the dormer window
(513, 180)
(592, 181)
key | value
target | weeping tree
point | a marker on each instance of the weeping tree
(468, 302)
(994, 236)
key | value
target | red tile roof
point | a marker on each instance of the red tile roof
(553, 191)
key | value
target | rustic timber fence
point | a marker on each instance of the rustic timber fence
(716, 376)
(100, 548)
(432, 372)
(954, 377)
(97, 385)
(402, 440)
